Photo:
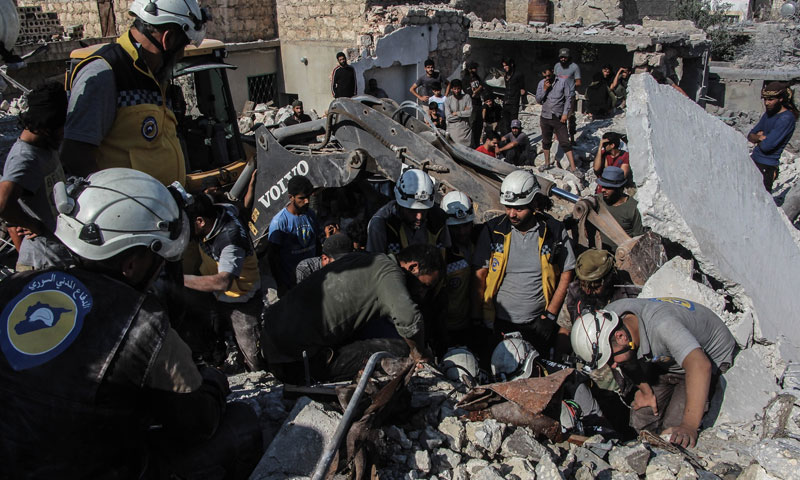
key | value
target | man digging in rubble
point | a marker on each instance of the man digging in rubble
(672, 349)
(118, 113)
(95, 383)
(410, 219)
(30, 171)
(324, 313)
(773, 131)
(525, 263)
(228, 289)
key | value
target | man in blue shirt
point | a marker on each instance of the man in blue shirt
(773, 131)
(293, 234)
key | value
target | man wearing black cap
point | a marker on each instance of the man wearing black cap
(298, 116)
(570, 72)
(622, 207)
(333, 248)
(774, 130)
(31, 169)
(343, 78)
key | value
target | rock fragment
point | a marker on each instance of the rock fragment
(632, 459)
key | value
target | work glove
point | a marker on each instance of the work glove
(545, 326)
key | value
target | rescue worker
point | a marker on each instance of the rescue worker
(90, 364)
(229, 282)
(524, 264)
(671, 349)
(458, 258)
(119, 114)
(597, 284)
(350, 293)
(410, 219)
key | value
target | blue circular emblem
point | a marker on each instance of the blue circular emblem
(149, 128)
(43, 320)
(495, 264)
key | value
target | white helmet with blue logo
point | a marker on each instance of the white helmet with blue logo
(414, 190)
(187, 14)
(116, 209)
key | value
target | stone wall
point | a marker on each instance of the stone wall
(486, 10)
(314, 20)
(234, 20)
(636, 10)
(591, 11)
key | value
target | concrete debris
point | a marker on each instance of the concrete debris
(756, 472)
(420, 461)
(780, 457)
(630, 459)
(522, 443)
(488, 473)
(747, 388)
(309, 424)
(487, 435)
(547, 470)
(454, 431)
(669, 199)
(520, 468)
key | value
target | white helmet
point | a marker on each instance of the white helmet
(117, 209)
(185, 13)
(414, 190)
(458, 207)
(460, 365)
(519, 188)
(513, 358)
(591, 337)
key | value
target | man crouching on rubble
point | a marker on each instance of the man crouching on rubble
(323, 314)
(672, 349)
(95, 383)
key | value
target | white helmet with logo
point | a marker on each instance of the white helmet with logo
(185, 13)
(519, 188)
(414, 190)
(591, 337)
(117, 209)
(460, 365)
(513, 358)
(458, 207)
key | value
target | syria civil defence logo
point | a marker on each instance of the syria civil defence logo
(675, 301)
(43, 320)
(149, 128)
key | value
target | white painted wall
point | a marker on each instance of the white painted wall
(311, 82)
(249, 63)
(697, 185)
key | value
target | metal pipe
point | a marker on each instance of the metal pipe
(568, 196)
(325, 460)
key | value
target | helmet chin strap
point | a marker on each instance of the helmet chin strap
(631, 346)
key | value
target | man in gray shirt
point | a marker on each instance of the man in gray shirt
(569, 71)
(670, 348)
(555, 95)
(31, 169)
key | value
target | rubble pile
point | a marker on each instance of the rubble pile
(773, 46)
(267, 115)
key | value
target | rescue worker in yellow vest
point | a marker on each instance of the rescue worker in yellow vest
(228, 290)
(460, 329)
(119, 114)
(410, 219)
(94, 380)
(525, 264)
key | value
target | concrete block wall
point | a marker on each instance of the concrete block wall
(71, 12)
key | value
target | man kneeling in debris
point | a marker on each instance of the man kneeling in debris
(229, 284)
(321, 316)
(96, 384)
(672, 349)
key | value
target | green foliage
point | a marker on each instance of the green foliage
(710, 16)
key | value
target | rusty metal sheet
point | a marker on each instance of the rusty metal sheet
(532, 394)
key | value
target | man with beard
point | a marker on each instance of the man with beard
(555, 95)
(773, 131)
(293, 234)
(457, 112)
(227, 290)
(622, 207)
(475, 88)
(410, 219)
(322, 317)
(298, 115)
(525, 263)
(570, 72)
(343, 78)
(118, 113)
(31, 169)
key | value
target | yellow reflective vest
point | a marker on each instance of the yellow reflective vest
(144, 133)
(499, 241)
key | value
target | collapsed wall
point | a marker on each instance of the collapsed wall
(697, 186)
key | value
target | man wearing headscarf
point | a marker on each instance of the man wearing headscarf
(31, 169)
(774, 130)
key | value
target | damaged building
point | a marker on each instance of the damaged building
(726, 244)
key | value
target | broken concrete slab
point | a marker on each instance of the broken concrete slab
(674, 279)
(779, 456)
(453, 429)
(309, 425)
(746, 389)
(708, 196)
(522, 443)
(630, 459)
(547, 470)
(487, 435)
